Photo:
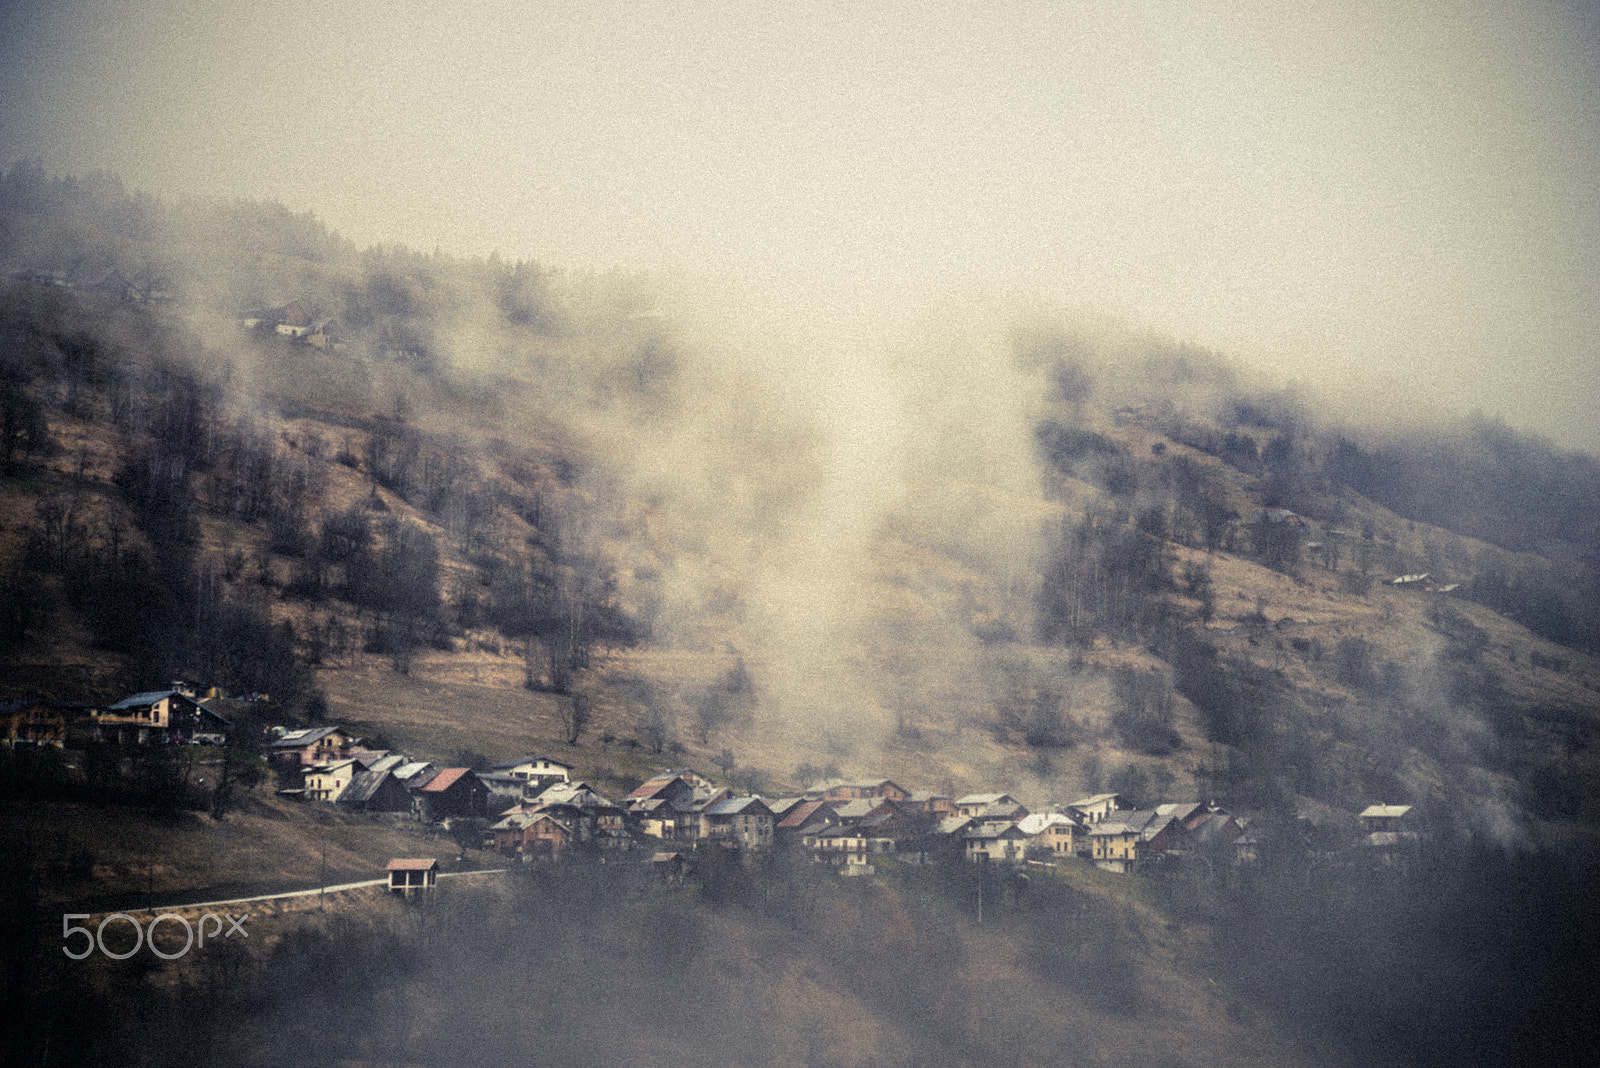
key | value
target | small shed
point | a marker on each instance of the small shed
(412, 873)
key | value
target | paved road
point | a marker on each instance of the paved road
(307, 893)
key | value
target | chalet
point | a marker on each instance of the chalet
(1130, 838)
(156, 716)
(413, 774)
(36, 722)
(326, 334)
(927, 803)
(544, 837)
(1055, 833)
(1385, 818)
(670, 805)
(838, 845)
(312, 745)
(407, 876)
(503, 789)
(376, 790)
(325, 782)
(995, 843)
(535, 772)
(974, 804)
(1004, 812)
(509, 832)
(743, 821)
(1212, 834)
(836, 790)
(668, 868)
(782, 806)
(1096, 808)
(452, 792)
(1114, 845)
(657, 817)
(290, 320)
(799, 817)
(866, 808)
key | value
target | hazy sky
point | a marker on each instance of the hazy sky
(1400, 194)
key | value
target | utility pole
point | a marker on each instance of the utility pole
(322, 880)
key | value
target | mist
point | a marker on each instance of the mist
(1393, 201)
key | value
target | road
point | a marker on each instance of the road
(307, 893)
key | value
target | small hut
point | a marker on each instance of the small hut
(407, 874)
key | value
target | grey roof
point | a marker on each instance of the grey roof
(364, 785)
(1385, 811)
(981, 799)
(953, 824)
(301, 738)
(994, 830)
(148, 698)
(406, 772)
(733, 806)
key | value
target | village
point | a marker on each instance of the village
(534, 810)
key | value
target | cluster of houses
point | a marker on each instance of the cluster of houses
(174, 716)
(849, 824)
(335, 767)
(540, 812)
(291, 320)
(104, 282)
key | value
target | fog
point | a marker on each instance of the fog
(1394, 200)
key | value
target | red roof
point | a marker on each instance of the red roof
(411, 864)
(802, 812)
(444, 780)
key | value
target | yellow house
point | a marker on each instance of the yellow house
(1114, 846)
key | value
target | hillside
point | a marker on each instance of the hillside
(502, 509)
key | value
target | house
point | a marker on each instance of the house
(452, 792)
(35, 722)
(1056, 833)
(836, 844)
(544, 837)
(407, 875)
(668, 868)
(156, 716)
(326, 334)
(535, 772)
(1385, 818)
(325, 782)
(503, 789)
(975, 804)
(743, 821)
(1004, 812)
(787, 831)
(1212, 834)
(670, 805)
(376, 790)
(928, 803)
(1130, 838)
(995, 843)
(1114, 845)
(838, 790)
(1096, 808)
(413, 774)
(312, 745)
